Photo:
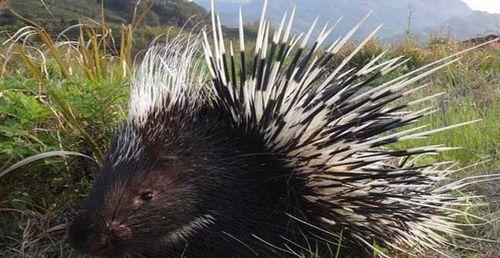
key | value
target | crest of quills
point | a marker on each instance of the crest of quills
(271, 155)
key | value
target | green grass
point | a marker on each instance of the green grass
(61, 98)
(471, 92)
(460, 103)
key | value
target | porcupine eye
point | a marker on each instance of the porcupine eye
(146, 196)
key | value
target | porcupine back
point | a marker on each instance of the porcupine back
(334, 126)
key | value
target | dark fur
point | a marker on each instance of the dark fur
(209, 167)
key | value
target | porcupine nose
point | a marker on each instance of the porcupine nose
(119, 231)
(92, 235)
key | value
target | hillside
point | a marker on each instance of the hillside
(422, 17)
(427, 16)
(62, 13)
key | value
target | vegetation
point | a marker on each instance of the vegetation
(60, 95)
(59, 15)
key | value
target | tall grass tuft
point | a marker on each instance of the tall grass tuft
(59, 95)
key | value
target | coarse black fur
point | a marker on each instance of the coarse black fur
(208, 167)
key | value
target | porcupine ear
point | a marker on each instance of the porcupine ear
(170, 74)
(332, 125)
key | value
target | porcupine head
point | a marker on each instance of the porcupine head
(272, 158)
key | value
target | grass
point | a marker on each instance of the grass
(58, 96)
(471, 92)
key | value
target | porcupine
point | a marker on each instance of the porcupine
(278, 158)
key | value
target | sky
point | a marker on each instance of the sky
(492, 6)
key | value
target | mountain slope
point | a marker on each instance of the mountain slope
(426, 15)
(58, 13)
(474, 24)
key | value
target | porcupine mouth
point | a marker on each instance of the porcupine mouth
(108, 242)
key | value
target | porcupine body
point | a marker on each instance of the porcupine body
(279, 158)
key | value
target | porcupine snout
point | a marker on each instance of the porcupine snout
(91, 234)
